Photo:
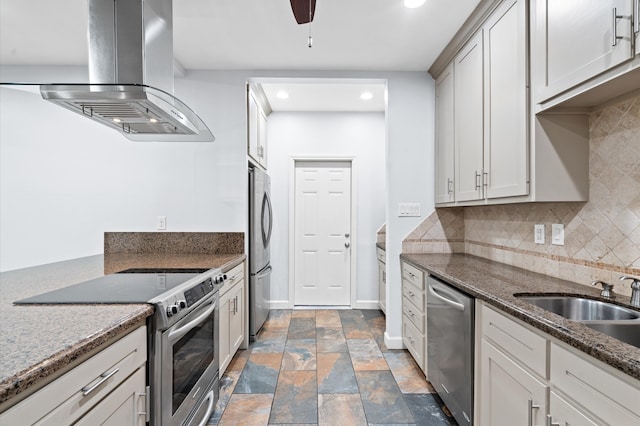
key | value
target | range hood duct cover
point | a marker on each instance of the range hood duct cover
(131, 74)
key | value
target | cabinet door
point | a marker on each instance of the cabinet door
(224, 351)
(236, 325)
(580, 39)
(124, 406)
(445, 137)
(509, 394)
(563, 413)
(505, 71)
(382, 284)
(636, 24)
(468, 128)
(252, 126)
(262, 138)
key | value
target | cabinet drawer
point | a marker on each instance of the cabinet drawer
(63, 402)
(381, 255)
(413, 275)
(612, 398)
(414, 314)
(413, 294)
(234, 276)
(525, 345)
(413, 340)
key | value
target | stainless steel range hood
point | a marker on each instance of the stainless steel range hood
(131, 74)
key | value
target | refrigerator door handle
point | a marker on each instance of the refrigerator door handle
(266, 236)
(265, 272)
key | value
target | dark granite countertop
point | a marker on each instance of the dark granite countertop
(38, 343)
(496, 284)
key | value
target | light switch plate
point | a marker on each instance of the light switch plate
(409, 209)
(538, 233)
(557, 234)
(161, 223)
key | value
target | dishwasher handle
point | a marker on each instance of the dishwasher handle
(453, 303)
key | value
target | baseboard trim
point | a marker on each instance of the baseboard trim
(279, 304)
(366, 304)
(393, 342)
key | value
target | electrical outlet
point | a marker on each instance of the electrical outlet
(538, 233)
(161, 223)
(557, 234)
(409, 209)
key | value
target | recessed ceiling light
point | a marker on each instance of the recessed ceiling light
(365, 96)
(282, 95)
(153, 120)
(412, 4)
(116, 120)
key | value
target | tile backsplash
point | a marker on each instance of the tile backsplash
(602, 236)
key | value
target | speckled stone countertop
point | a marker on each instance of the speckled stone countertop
(38, 343)
(496, 284)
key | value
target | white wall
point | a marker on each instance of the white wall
(65, 180)
(360, 136)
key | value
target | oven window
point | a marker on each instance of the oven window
(191, 356)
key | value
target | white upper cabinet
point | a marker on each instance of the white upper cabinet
(636, 24)
(485, 113)
(578, 40)
(256, 129)
(505, 105)
(444, 136)
(468, 133)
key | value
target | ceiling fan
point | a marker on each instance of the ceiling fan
(303, 10)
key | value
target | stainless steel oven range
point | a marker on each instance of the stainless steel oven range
(182, 369)
(183, 348)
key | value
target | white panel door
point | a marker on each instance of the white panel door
(322, 238)
(468, 121)
(505, 62)
(445, 112)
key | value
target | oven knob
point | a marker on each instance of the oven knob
(224, 277)
(172, 310)
(182, 304)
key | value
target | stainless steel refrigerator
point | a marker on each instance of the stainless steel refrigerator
(260, 226)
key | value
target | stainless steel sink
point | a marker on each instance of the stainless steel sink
(581, 309)
(628, 332)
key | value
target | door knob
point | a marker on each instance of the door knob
(347, 245)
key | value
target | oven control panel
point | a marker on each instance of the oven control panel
(197, 292)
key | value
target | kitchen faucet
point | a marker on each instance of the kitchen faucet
(607, 289)
(635, 289)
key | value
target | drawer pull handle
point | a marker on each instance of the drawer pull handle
(616, 37)
(103, 378)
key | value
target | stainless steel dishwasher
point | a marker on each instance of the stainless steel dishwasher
(450, 346)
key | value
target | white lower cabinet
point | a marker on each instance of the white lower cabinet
(509, 394)
(107, 389)
(233, 322)
(516, 376)
(414, 326)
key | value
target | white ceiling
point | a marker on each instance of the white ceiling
(365, 35)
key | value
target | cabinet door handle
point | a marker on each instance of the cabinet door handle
(103, 378)
(477, 180)
(616, 37)
(531, 406)
(235, 305)
(636, 23)
(550, 421)
(485, 179)
(450, 182)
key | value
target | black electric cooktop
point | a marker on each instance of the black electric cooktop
(139, 286)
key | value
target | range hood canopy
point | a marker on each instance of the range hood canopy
(131, 74)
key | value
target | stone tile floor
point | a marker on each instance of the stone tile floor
(326, 367)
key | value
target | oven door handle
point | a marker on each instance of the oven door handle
(178, 333)
(209, 412)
